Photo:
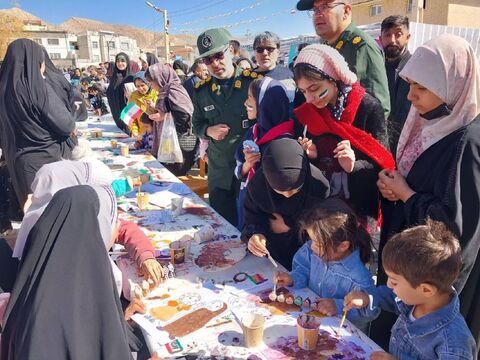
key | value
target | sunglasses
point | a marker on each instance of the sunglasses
(218, 56)
(261, 50)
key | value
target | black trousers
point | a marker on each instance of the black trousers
(224, 201)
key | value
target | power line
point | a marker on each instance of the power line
(227, 14)
(244, 22)
(194, 9)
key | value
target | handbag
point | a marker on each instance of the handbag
(188, 141)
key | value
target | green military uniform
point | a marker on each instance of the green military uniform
(366, 60)
(222, 102)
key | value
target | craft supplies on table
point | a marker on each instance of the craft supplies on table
(214, 283)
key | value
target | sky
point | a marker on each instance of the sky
(186, 16)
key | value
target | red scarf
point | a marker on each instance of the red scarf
(321, 121)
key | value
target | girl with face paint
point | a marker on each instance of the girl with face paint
(346, 131)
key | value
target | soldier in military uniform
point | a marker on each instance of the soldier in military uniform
(220, 117)
(333, 23)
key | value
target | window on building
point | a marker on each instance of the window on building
(409, 6)
(38, 41)
(111, 44)
(375, 10)
(95, 44)
(124, 45)
(96, 58)
(72, 45)
(55, 56)
(53, 42)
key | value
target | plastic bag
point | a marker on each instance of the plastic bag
(169, 150)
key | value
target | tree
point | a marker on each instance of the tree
(11, 28)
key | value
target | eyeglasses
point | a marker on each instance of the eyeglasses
(261, 49)
(218, 56)
(323, 8)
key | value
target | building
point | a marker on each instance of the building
(461, 13)
(60, 45)
(87, 48)
(102, 46)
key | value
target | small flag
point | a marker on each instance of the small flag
(130, 113)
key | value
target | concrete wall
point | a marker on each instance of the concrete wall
(464, 13)
(362, 10)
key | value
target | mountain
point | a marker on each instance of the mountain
(146, 40)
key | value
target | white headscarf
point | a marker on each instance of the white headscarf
(50, 179)
(448, 67)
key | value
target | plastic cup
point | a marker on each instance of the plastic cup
(307, 332)
(253, 326)
(124, 150)
(178, 252)
(142, 200)
(113, 143)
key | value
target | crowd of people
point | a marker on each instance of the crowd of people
(355, 137)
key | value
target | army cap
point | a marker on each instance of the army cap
(305, 5)
(213, 41)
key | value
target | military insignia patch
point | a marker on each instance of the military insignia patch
(339, 45)
(214, 87)
(207, 41)
(246, 73)
(356, 40)
(238, 84)
(253, 75)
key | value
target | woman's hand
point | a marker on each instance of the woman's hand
(393, 186)
(278, 225)
(135, 306)
(327, 307)
(158, 116)
(251, 158)
(345, 155)
(257, 245)
(152, 270)
(309, 147)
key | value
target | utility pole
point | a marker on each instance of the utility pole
(165, 28)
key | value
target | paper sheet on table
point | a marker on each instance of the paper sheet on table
(155, 217)
(162, 198)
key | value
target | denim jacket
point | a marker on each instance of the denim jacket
(442, 334)
(334, 280)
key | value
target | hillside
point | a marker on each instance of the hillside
(145, 39)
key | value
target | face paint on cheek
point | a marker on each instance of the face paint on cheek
(323, 94)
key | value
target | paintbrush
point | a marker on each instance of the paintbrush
(305, 131)
(275, 281)
(218, 324)
(269, 257)
(343, 318)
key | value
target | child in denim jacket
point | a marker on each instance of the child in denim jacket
(146, 141)
(332, 262)
(421, 263)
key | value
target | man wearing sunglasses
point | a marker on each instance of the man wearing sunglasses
(267, 49)
(220, 117)
(332, 20)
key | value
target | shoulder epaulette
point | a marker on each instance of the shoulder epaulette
(358, 40)
(203, 82)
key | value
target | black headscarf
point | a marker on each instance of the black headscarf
(64, 304)
(285, 164)
(35, 121)
(288, 168)
(115, 90)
